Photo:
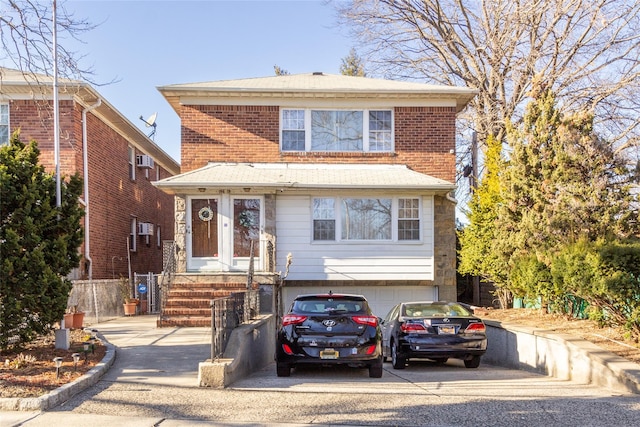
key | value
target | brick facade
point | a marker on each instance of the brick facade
(424, 139)
(113, 197)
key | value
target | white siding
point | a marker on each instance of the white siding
(381, 298)
(349, 260)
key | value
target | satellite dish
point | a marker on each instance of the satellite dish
(150, 122)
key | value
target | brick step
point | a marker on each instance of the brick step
(186, 311)
(195, 284)
(188, 302)
(192, 321)
(199, 293)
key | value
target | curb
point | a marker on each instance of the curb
(65, 392)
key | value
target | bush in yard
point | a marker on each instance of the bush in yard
(607, 276)
(38, 243)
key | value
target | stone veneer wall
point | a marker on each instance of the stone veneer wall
(445, 248)
(180, 233)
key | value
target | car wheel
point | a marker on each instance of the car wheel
(474, 362)
(440, 360)
(283, 370)
(375, 370)
(397, 359)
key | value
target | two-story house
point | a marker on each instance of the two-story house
(126, 217)
(351, 178)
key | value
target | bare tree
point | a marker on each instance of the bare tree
(26, 38)
(587, 51)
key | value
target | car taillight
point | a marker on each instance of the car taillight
(366, 320)
(292, 319)
(287, 349)
(370, 350)
(409, 328)
(475, 328)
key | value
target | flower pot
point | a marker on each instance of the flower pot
(130, 308)
(68, 320)
(78, 319)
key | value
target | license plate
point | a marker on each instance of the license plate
(447, 330)
(328, 353)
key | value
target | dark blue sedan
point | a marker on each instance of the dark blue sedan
(434, 330)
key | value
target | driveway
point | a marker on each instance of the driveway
(153, 383)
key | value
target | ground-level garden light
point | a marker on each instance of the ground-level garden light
(58, 362)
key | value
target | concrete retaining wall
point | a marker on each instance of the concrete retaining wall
(251, 347)
(561, 356)
(99, 299)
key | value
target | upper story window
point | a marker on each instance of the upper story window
(358, 219)
(132, 163)
(337, 130)
(4, 124)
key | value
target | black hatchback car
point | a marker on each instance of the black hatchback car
(329, 329)
(435, 330)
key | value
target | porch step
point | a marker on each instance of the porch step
(189, 301)
(188, 321)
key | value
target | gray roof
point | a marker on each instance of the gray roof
(317, 85)
(302, 176)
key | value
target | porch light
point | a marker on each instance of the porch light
(201, 189)
(58, 362)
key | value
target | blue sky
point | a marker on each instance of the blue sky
(146, 44)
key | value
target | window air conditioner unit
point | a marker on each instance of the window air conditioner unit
(144, 161)
(145, 229)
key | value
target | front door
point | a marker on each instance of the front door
(221, 232)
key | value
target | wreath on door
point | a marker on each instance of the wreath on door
(205, 214)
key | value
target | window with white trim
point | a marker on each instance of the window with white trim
(324, 219)
(366, 219)
(408, 219)
(336, 130)
(4, 124)
(133, 234)
(132, 163)
(158, 238)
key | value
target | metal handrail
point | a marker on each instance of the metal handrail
(167, 275)
(229, 312)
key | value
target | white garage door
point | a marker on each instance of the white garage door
(381, 298)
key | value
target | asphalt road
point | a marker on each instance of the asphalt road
(153, 382)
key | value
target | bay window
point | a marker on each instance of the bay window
(363, 219)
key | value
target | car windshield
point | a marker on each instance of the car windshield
(433, 310)
(328, 305)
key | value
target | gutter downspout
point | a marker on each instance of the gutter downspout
(85, 167)
(451, 198)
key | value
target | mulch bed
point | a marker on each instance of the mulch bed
(31, 372)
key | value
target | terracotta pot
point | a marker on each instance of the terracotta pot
(78, 320)
(68, 320)
(130, 308)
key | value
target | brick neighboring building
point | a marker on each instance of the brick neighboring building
(351, 176)
(119, 195)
